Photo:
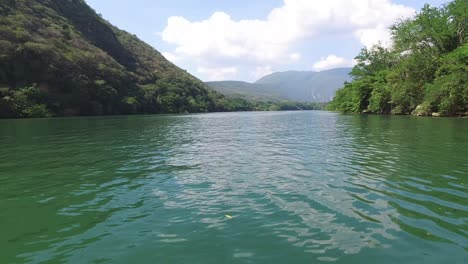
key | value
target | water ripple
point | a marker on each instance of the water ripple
(234, 188)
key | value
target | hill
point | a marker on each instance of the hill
(61, 58)
(303, 86)
(252, 91)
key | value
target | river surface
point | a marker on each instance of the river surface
(274, 187)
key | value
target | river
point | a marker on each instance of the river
(266, 187)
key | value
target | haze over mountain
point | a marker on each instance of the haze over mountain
(304, 86)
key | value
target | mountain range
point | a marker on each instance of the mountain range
(302, 86)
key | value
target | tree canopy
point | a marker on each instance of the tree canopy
(424, 72)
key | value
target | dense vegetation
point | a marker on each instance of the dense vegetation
(60, 58)
(424, 73)
(232, 104)
(250, 91)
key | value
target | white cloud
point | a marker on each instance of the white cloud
(332, 61)
(171, 57)
(262, 71)
(221, 40)
(220, 36)
(369, 37)
(295, 56)
(218, 74)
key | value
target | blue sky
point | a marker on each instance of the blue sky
(244, 40)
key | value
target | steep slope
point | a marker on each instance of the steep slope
(60, 57)
(307, 86)
(299, 86)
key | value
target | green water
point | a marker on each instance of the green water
(301, 187)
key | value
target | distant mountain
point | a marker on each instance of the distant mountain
(304, 86)
(307, 86)
(257, 92)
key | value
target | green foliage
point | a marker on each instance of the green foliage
(36, 111)
(235, 104)
(425, 72)
(346, 100)
(252, 91)
(380, 101)
(85, 66)
(448, 94)
(24, 102)
(371, 61)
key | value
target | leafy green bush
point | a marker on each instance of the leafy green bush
(36, 111)
(24, 102)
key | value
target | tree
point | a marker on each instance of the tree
(425, 70)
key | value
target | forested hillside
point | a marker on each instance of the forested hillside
(424, 73)
(60, 58)
(251, 91)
